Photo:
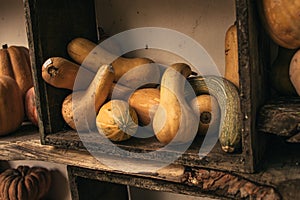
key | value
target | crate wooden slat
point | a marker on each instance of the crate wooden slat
(51, 24)
(280, 117)
(280, 173)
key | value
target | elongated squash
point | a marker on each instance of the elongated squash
(145, 102)
(91, 56)
(62, 73)
(174, 120)
(78, 107)
(228, 99)
(231, 55)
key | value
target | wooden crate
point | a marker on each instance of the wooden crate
(52, 24)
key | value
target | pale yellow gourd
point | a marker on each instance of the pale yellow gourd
(92, 56)
(79, 109)
(174, 120)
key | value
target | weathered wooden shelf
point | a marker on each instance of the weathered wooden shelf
(139, 148)
(281, 117)
(279, 177)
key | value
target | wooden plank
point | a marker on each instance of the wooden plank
(280, 117)
(50, 26)
(281, 166)
(198, 182)
(140, 147)
(252, 45)
(88, 189)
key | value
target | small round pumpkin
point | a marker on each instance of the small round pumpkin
(15, 63)
(26, 183)
(117, 120)
(11, 105)
(281, 20)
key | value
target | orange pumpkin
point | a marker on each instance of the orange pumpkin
(281, 19)
(15, 63)
(26, 183)
(11, 105)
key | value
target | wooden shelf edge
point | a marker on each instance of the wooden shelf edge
(279, 169)
(281, 117)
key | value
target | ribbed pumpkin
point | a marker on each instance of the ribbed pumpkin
(281, 19)
(11, 105)
(15, 63)
(117, 120)
(24, 183)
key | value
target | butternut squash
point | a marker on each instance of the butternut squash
(62, 73)
(294, 71)
(91, 56)
(79, 109)
(117, 121)
(145, 102)
(231, 55)
(174, 120)
(207, 107)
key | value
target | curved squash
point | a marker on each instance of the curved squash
(145, 101)
(174, 120)
(75, 106)
(92, 57)
(228, 99)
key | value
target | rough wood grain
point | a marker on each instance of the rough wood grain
(50, 26)
(196, 182)
(281, 166)
(138, 148)
(280, 117)
(295, 138)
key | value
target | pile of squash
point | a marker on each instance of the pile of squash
(15, 81)
(122, 101)
(280, 19)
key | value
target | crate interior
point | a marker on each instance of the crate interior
(52, 24)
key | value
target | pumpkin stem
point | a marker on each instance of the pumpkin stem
(4, 46)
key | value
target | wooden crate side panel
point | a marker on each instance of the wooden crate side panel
(50, 26)
(260, 61)
(252, 79)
